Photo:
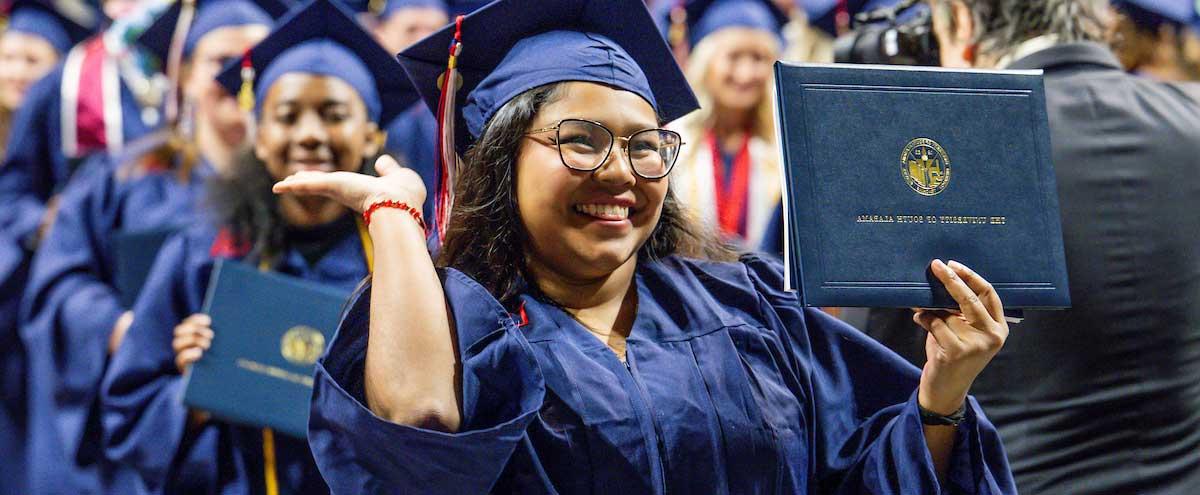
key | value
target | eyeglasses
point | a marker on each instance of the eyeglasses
(584, 145)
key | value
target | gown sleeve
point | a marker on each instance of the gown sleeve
(68, 308)
(26, 174)
(502, 391)
(14, 272)
(145, 422)
(868, 436)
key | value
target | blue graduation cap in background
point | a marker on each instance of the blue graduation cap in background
(206, 17)
(511, 46)
(834, 16)
(1153, 13)
(322, 38)
(394, 6)
(62, 23)
(464, 7)
(700, 18)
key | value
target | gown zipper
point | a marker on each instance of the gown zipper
(631, 367)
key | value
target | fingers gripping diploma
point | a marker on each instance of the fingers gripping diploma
(193, 336)
(358, 191)
(960, 343)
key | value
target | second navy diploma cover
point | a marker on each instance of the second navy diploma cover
(887, 168)
(268, 331)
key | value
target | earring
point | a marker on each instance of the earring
(187, 119)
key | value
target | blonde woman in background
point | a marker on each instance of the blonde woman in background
(729, 175)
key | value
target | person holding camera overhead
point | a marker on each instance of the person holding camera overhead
(578, 334)
(320, 86)
(1100, 398)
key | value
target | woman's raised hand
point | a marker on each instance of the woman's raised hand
(358, 191)
(960, 344)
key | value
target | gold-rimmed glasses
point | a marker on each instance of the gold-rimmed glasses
(584, 145)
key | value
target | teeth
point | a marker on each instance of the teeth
(608, 212)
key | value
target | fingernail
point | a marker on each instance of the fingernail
(954, 264)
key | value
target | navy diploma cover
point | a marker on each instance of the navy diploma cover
(268, 331)
(887, 168)
(136, 252)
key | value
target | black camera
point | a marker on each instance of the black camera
(880, 37)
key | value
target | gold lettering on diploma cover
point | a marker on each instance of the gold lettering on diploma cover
(925, 166)
(274, 372)
(302, 345)
(932, 219)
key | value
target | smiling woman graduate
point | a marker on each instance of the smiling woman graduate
(319, 85)
(577, 336)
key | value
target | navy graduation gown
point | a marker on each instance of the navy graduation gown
(12, 371)
(413, 135)
(730, 387)
(146, 424)
(35, 166)
(71, 304)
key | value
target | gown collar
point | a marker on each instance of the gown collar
(674, 304)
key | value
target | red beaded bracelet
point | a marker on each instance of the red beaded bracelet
(416, 214)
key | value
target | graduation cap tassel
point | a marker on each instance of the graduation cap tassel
(245, 94)
(175, 59)
(447, 157)
(677, 34)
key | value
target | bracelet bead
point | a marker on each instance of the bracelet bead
(400, 205)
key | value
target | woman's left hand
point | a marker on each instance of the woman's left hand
(960, 344)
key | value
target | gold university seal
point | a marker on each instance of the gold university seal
(925, 166)
(302, 345)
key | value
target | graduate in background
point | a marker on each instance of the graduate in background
(804, 40)
(729, 177)
(74, 318)
(37, 35)
(413, 134)
(91, 101)
(99, 96)
(1157, 38)
(580, 335)
(320, 85)
(404, 22)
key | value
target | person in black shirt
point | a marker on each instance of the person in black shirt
(1103, 397)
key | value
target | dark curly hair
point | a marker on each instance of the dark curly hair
(485, 238)
(241, 201)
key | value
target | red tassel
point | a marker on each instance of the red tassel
(447, 157)
(245, 94)
(226, 245)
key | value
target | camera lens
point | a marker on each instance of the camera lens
(908, 43)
